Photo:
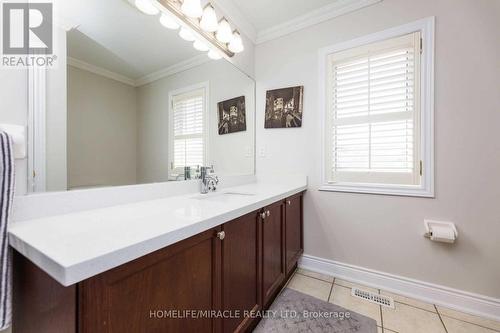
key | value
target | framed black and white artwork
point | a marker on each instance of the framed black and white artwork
(232, 115)
(284, 107)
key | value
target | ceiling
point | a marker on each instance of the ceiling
(264, 14)
(114, 35)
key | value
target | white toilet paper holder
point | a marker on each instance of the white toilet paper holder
(430, 223)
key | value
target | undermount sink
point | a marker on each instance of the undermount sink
(220, 196)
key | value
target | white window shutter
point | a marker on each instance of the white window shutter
(188, 127)
(373, 93)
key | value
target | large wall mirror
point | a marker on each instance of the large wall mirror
(133, 103)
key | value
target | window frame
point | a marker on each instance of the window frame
(205, 86)
(367, 52)
(426, 27)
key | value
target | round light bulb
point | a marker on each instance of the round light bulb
(192, 8)
(185, 34)
(214, 55)
(146, 7)
(209, 19)
(168, 22)
(224, 33)
(200, 46)
(236, 44)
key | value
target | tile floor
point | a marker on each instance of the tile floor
(409, 315)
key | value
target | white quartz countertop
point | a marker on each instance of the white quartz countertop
(74, 247)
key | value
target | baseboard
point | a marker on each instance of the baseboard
(464, 301)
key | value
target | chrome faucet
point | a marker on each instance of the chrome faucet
(209, 180)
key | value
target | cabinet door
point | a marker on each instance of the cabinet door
(241, 271)
(152, 293)
(40, 303)
(294, 230)
(273, 267)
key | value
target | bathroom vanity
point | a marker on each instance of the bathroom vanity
(235, 268)
(122, 235)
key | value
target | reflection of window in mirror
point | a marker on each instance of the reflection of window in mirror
(188, 131)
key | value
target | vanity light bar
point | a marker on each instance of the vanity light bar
(174, 8)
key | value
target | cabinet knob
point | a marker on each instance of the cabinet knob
(221, 235)
(288, 202)
(268, 213)
(263, 215)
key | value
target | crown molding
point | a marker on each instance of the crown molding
(171, 70)
(238, 19)
(174, 69)
(338, 8)
(100, 71)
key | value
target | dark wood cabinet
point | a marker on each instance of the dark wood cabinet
(40, 304)
(273, 256)
(294, 246)
(151, 294)
(238, 267)
(241, 261)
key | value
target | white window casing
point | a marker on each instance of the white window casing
(377, 112)
(188, 118)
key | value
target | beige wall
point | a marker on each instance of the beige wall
(118, 134)
(102, 131)
(385, 232)
(228, 153)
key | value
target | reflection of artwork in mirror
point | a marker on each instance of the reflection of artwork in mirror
(284, 107)
(232, 116)
(122, 108)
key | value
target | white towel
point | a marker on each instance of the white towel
(18, 135)
(7, 184)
